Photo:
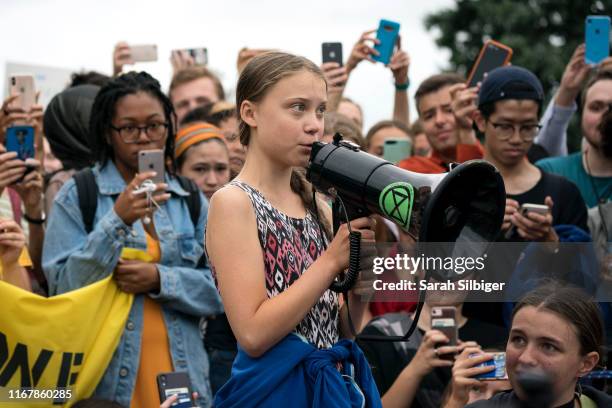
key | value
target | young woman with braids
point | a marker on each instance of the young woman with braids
(267, 243)
(172, 290)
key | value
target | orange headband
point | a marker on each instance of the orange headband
(195, 133)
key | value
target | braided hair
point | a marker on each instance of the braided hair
(103, 111)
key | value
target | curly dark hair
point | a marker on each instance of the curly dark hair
(103, 110)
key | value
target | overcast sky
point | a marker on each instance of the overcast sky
(79, 34)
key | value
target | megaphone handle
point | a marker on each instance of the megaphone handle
(351, 275)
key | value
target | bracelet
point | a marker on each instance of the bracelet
(39, 221)
(402, 87)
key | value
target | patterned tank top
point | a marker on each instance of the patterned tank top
(290, 246)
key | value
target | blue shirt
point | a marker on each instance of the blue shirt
(571, 168)
(73, 259)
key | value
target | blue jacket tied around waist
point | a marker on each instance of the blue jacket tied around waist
(294, 373)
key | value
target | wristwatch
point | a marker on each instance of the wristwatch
(38, 221)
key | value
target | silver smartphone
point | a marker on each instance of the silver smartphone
(152, 160)
(143, 53)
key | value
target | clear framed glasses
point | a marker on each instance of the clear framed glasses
(505, 131)
(131, 133)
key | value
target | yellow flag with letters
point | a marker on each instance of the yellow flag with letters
(62, 343)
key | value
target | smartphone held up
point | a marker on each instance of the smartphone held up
(492, 55)
(152, 160)
(596, 39)
(23, 86)
(387, 35)
(332, 52)
(443, 320)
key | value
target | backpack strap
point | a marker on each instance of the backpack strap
(193, 199)
(87, 190)
(194, 204)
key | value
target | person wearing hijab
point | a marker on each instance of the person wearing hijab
(66, 123)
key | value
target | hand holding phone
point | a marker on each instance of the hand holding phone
(492, 55)
(443, 320)
(189, 57)
(20, 139)
(175, 383)
(496, 360)
(387, 34)
(152, 160)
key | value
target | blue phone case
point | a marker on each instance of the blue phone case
(20, 139)
(387, 34)
(597, 39)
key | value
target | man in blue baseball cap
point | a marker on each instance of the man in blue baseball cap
(509, 107)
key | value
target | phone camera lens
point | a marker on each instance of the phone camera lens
(13, 82)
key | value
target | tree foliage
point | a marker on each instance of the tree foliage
(542, 33)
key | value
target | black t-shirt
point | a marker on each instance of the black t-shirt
(388, 359)
(568, 208)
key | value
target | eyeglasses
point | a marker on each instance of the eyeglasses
(131, 133)
(505, 131)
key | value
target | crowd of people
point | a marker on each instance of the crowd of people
(241, 254)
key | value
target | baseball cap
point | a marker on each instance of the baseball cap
(510, 82)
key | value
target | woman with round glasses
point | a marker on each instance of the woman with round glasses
(171, 289)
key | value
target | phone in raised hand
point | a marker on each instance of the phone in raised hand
(23, 85)
(332, 52)
(387, 34)
(596, 39)
(143, 53)
(492, 55)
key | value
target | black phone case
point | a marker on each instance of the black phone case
(332, 52)
(173, 380)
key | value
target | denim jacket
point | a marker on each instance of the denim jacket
(73, 259)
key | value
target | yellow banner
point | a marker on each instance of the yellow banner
(62, 343)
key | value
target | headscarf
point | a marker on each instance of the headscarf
(66, 124)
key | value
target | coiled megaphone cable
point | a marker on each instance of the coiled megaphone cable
(353, 273)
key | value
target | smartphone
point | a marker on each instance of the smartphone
(176, 383)
(499, 361)
(596, 39)
(23, 84)
(332, 52)
(492, 55)
(523, 210)
(387, 35)
(143, 53)
(199, 55)
(537, 208)
(443, 320)
(20, 139)
(395, 150)
(152, 160)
